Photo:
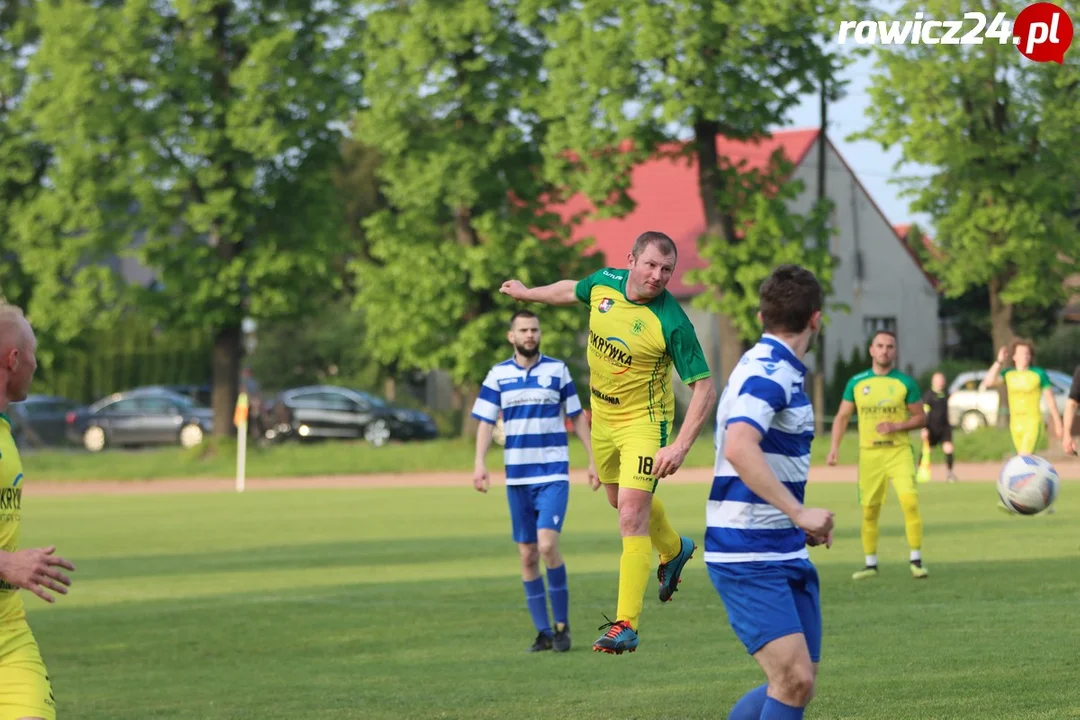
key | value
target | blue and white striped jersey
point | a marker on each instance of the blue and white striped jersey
(533, 403)
(766, 390)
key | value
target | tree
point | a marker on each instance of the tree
(200, 138)
(998, 134)
(451, 94)
(633, 80)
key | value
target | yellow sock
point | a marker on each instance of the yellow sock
(870, 515)
(912, 520)
(924, 462)
(633, 578)
(663, 536)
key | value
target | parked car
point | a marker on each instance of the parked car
(146, 416)
(326, 411)
(970, 409)
(40, 420)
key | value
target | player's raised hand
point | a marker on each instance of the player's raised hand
(815, 521)
(668, 460)
(1003, 354)
(515, 289)
(480, 479)
(594, 477)
(35, 569)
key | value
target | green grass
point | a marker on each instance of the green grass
(351, 458)
(407, 603)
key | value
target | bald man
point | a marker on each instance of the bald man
(25, 690)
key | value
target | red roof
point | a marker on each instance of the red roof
(665, 191)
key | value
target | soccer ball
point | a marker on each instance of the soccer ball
(1028, 484)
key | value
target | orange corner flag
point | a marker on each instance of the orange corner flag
(240, 417)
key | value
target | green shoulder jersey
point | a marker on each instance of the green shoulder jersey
(882, 398)
(632, 347)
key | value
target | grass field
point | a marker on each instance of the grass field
(407, 603)
(355, 458)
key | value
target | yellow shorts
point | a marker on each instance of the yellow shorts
(1026, 435)
(25, 690)
(625, 455)
(877, 466)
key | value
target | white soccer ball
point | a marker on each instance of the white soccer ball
(1028, 484)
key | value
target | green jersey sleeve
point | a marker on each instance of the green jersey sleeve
(1044, 379)
(913, 394)
(849, 389)
(583, 289)
(686, 353)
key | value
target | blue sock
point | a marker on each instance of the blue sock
(776, 710)
(537, 602)
(560, 596)
(749, 705)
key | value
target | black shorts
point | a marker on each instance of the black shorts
(939, 435)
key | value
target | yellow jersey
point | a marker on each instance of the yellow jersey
(882, 398)
(632, 347)
(11, 482)
(1025, 389)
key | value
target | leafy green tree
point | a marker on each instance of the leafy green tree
(998, 133)
(630, 80)
(451, 92)
(200, 138)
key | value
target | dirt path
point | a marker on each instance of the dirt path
(1069, 470)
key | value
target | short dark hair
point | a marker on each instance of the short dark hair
(788, 298)
(521, 314)
(665, 244)
(890, 333)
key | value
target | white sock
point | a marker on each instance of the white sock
(916, 555)
(871, 561)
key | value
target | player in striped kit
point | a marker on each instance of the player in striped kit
(534, 393)
(757, 526)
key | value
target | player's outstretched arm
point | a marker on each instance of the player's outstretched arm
(993, 375)
(839, 427)
(35, 569)
(742, 448)
(702, 405)
(559, 293)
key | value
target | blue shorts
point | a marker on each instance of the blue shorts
(537, 506)
(768, 600)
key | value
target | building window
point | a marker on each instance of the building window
(872, 324)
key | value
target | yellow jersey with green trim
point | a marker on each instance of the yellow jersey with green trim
(882, 398)
(632, 347)
(1025, 388)
(11, 482)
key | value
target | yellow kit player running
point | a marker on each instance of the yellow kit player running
(25, 690)
(637, 331)
(889, 406)
(1026, 385)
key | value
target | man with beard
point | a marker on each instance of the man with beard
(534, 393)
(637, 333)
(889, 406)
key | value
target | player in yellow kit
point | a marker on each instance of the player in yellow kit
(637, 332)
(1026, 386)
(25, 690)
(889, 406)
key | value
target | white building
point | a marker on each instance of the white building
(878, 277)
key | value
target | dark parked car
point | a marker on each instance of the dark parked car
(40, 420)
(147, 416)
(324, 411)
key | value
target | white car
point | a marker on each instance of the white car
(970, 409)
